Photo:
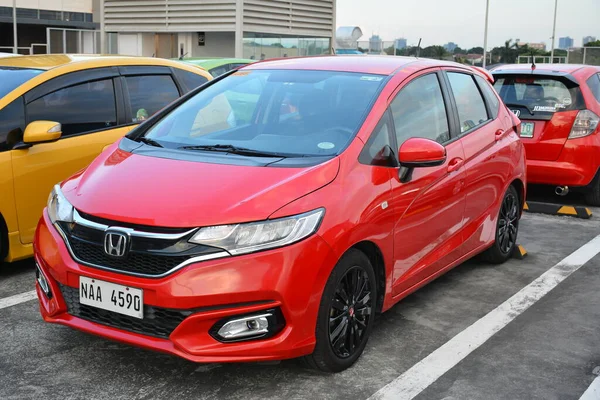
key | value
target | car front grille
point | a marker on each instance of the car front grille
(150, 253)
(139, 263)
(157, 322)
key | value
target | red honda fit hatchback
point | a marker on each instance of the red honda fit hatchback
(274, 211)
(559, 106)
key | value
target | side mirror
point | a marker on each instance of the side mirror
(420, 152)
(42, 132)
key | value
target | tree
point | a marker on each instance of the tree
(593, 44)
(475, 50)
(458, 50)
(510, 52)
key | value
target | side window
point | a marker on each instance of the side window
(490, 95)
(594, 84)
(218, 71)
(419, 111)
(189, 80)
(471, 108)
(81, 108)
(12, 123)
(378, 149)
(149, 94)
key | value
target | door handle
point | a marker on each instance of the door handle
(455, 164)
(499, 134)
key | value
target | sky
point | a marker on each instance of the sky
(463, 21)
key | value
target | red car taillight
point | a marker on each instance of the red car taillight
(585, 124)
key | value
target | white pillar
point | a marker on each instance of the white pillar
(485, 35)
(239, 29)
(102, 30)
(553, 31)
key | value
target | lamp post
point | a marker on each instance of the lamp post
(553, 31)
(485, 35)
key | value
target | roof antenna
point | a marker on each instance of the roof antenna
(419, 48)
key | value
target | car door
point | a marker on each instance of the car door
(487, 161)
(428, 202)
(88, 104)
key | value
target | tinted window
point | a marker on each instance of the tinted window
(489, 94)
(299, 113)
(419, 111)
(12, 123)
(378, 149)
(217, 71)
(471, 108)
(148, 94)
(594, 84)
(81, 108)
(539, 93)
(189, 80)
(11, 78)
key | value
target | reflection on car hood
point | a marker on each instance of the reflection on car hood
(155, 191)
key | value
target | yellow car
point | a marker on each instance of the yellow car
(58, 112)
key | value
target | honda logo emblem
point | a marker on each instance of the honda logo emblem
(516, 112)
(116, 243)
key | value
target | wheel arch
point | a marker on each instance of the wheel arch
(3, 239)
(520, 187)
(375, 256)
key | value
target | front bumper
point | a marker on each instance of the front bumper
(290, 279)
(576, 166)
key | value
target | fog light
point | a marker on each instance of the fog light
(247, 327)
(41, 280)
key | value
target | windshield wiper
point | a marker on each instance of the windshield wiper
(149, 141)
(520, 105)
(228, 148)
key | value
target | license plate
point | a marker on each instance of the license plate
(111, 297)
(527, 129)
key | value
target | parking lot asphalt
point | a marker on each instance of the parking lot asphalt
(547, 352)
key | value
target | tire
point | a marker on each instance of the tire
(356, 316)
(506, 237)
(592, 196)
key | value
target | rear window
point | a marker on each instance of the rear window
(11, 78)
(539, 94)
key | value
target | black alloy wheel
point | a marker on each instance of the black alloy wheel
(508, 223)
(507, 229)
(346, 314)
(350, 312)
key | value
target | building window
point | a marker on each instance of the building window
(258, 47)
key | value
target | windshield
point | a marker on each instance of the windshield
(544, 94)
(286, 112)
(11, 78)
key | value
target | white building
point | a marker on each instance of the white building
(218, 28)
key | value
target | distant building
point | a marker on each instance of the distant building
(565, 43)
(474, 59)
(375, 44)
(588, 39)
(401, 43)
(450, 47)
(537, 46)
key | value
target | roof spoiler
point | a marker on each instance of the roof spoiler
(486, 74)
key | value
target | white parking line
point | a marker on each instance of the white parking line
(428, 370)
(593, 392)
(17, 299)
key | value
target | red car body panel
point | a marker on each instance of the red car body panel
(553, 158)
(418, 229)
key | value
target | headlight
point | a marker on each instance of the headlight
(255, 236)
(59, 208)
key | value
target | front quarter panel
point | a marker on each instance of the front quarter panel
(356, 205)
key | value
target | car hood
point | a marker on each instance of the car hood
(138, 189)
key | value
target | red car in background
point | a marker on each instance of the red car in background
(559, 105)
(230, 227)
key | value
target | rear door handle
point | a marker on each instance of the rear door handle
(455, 164)
(499, 134)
